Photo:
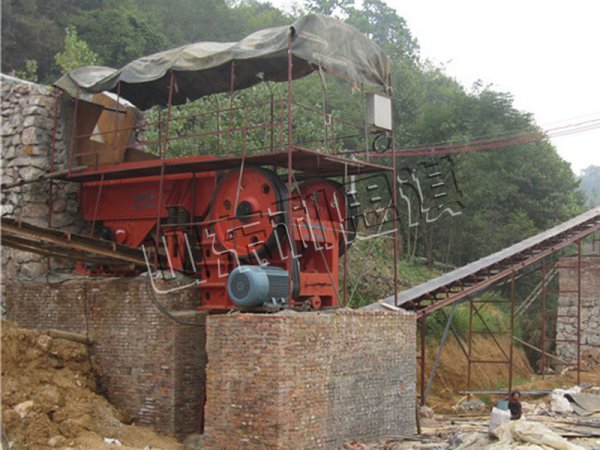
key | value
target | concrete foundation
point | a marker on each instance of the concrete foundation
(309, 380)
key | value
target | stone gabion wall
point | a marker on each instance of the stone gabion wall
(150, 367)
(27, 124)
(309, 380)
(566, 327)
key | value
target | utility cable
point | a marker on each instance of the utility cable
(162, 310)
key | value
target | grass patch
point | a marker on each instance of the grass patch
(371, 272)
(494, 317)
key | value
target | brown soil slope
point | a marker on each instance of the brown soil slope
(451, 375)
(55, 380)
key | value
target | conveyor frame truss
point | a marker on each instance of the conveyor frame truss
(505, 266)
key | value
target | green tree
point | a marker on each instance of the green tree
(383, 24)
(30, 72)
(76, 53)
(34, 30)
(590, 184)
(121, 31)
(328, 7)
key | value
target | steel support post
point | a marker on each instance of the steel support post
(438, 356)
(396, 224)
(231, 91)
(579, 311)
(512, 331)
(163, 153)
(544, 317)
(423, 349)
(347, 252)
(470, 345)
(290, 98)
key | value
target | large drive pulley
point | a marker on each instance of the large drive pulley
(249, 205)
(246, 209)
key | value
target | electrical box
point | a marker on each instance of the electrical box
(379, 111)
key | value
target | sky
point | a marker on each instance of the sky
(546, 53)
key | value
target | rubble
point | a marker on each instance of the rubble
(470, 406)
(541, 428)
(517, 432)
(560, 404)
(49, 398)
(426, 412)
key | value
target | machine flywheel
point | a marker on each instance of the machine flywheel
(247, 206)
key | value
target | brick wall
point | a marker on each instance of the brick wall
(309, 380)
(149, 366)
(590, 310)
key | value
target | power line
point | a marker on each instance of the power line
(500, 140)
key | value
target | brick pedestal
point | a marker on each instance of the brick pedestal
(309, 380)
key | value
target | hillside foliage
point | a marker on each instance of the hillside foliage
(590, 184)
(501, 195)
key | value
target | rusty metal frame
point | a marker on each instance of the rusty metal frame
(461, 284)
(488, 274)
(329, 163)
(510, 273)
(53, 242)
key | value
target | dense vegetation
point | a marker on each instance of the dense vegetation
(503, 195)
(590, 184)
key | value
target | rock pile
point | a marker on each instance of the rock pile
(27, 127)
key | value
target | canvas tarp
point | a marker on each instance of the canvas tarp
(204, 68)
(518, 435)
(584, 404)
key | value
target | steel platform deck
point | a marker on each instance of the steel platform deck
(304, 160)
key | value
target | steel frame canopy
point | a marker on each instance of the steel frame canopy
(304, 160)
(174, 77)
(203, 68)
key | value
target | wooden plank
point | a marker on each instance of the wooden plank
(75, 337)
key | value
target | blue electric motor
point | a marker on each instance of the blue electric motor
(252, 286)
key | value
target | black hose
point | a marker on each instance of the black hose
(161, 309)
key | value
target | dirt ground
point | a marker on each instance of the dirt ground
(49, 400)
(470, 430)
(49, 397)
(451, 375)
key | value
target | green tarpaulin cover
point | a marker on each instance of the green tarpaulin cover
(204, 68)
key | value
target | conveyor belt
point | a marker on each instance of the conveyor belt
(62, 244)
(474, 277)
